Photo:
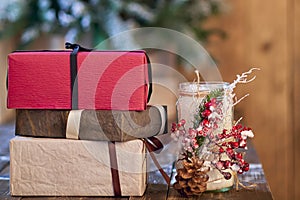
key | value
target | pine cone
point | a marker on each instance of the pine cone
(192, 178)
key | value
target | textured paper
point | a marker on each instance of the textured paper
(106, 80)
(62, 167)
(102, 125)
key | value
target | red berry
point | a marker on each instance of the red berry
(221, 150)
(245, 169)
(206, 113)
(205, 122)
(234, 145)
(226, 175)
(239, 156)
(181, 123)
(213, 100)
(208, 104)
(227, 164)
(242, 162)
(240, 171)
(219, 165)
(229, 150)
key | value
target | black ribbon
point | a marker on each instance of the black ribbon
(74, 83)
(73, 67)
(150, 78)
(69, 45)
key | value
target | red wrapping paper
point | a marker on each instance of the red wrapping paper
(106, 80)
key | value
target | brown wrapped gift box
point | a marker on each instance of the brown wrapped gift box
(103, 125)
(62, 167)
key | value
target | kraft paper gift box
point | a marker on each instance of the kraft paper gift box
(102, 125)
(79, 79)
(62, 167)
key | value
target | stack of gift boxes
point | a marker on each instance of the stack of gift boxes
(80, 115)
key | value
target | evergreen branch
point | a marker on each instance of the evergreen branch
(215, 94)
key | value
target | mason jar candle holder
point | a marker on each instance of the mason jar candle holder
(204, 110)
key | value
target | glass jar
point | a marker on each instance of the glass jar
(191, 97)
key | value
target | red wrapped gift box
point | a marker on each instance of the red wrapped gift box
(105, 80)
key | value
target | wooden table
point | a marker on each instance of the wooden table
(157, 189)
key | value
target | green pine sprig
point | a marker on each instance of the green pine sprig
(215, 94)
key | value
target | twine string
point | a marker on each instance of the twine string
(238, 183)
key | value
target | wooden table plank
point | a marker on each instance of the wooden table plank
(6, 133)
(74, 198)
(157, 188)
(4, 184)
(254, 176)
(4, 190)
(232, 194)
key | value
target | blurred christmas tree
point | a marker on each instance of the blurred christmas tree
(27, 20)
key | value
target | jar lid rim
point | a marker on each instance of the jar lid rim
(203, 86)
(206, 82)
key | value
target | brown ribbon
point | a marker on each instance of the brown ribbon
(155, 146)
(152, 144)
(114, 169)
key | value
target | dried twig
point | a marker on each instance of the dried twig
(243, 78)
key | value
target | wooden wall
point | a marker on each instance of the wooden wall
(6, 115)
(266, 34)
(295, 62)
